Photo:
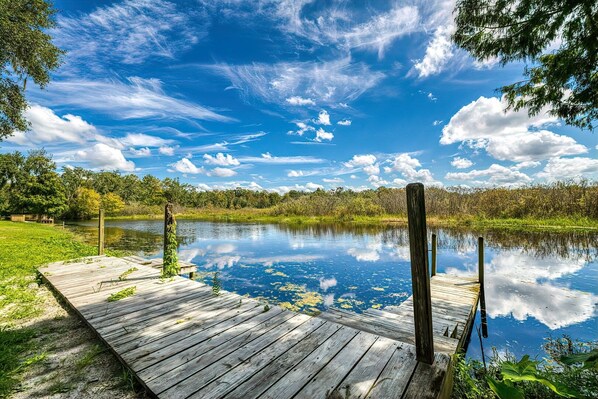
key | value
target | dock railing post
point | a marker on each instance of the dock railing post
(481, 281)
(434, 244)
(101, 232)
(420, 277)
(170, 267)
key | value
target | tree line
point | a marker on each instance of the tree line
(31, 184)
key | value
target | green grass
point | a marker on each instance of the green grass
(122, 294)
(126, 274)
(26, 246)
(248, 215)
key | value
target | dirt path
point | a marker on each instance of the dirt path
(74, 363)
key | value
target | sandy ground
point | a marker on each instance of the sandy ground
(75, 364)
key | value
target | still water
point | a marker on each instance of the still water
(537, 284)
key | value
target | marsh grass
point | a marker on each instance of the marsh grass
(122, 294)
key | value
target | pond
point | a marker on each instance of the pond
(537, 284)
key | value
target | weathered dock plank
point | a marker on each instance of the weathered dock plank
(181, 340)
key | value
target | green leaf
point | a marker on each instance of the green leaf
(504, 390)
(589, 359)
(524, 370)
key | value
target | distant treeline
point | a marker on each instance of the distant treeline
(31, 184)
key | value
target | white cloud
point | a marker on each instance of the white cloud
(323, 118)
(47, 127)
(372, 169)
(169, 151)
(438, 53)
(129, 32)
(303, 127)
(344, 122)
(495, 174)
(103, 156)
(222, 172)
(267, 158)
(136, 98)
(141, 139)
(297, 100)
(186, 166)
(322, 135)
(461, 163)
(408, 166)
(326, 283)
(570, 168)
(142, 152)
(510, 135)
(437, 122)
(220, 159)
(295, 173)
(526, 165)
(361, 160)
(334, 180)
(328, 82)
(313, 186)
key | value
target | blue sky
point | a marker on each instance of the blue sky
(289, 94)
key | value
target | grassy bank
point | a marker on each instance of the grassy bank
(34, 329)
(248, 215)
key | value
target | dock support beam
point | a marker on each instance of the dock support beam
(434, 245)
(101, 232)
(481, 281)
(420, 277)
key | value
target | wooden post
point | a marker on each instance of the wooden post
(483, 315)
(101, 232)
(170, 266)
(434, 243)
(420, 277)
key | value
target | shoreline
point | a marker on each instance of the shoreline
(259, 216)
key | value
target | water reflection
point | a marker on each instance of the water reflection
(536, 283)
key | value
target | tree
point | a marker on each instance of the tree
(38, 189)
(86, 203)
(558, 38)
(112, 203)
(26, 50)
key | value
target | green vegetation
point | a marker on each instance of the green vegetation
(122, 294)
(216, 284)
(26, 51)
(570, 371)
(557, 39)
(24, 248)
(170, 267)
(126, 273)
(31, 185)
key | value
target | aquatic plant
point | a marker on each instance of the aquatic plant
(216, 285)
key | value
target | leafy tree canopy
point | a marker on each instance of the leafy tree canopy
(26, 50)
(558, 40)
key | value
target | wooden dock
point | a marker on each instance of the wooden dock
(180, 340)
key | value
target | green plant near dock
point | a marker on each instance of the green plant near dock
(170, 266)
(126, 274)
(216, 285)
(570, 371)
(122, 294)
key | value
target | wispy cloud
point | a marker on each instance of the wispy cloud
(267, 158)
(129, 32)
(328, 82)
(135, 98)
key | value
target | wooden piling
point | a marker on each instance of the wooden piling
(434, 244)
(101, 232)
(483, 315)
(418, 246)
(168, 222)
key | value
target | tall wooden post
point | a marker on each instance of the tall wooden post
(101, 232)
(420, 277)
(434, 244)
(170, 267)
(168, 221)
(482, 291)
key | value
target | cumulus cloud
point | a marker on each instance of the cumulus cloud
(570, 168)
(185, 166)
(297, 100)
(323, 118)
(344, 122)
(169, 151)
(141, 152)
(461, 163)
(141, 139)
(361, 160)
(510, 135)
(322, 135)
(495, 174)
(295, 173)
(410, 169)
(47, 127)
(103, 156)
(220, 159)
(222, 172)
(326, 283)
